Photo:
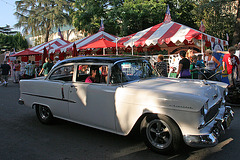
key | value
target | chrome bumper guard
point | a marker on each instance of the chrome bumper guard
(211, 139)
(20, 101)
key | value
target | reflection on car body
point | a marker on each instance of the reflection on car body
(128, 92)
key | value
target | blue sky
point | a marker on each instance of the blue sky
(7, 9)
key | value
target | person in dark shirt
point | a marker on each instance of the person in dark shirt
(200, 64)
(184, 65)
(161, 66)
(5, 72)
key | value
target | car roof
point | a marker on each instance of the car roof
(97, 59)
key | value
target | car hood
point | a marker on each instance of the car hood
(177, 93)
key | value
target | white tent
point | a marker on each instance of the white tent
(168, 35)
(87, 40)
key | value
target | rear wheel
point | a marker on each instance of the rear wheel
(160, 133)
(44, 114)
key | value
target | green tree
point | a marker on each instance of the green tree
(16, 41)
(137, 15)
(38, 17)
(120, 17)
(19, 42)
(182, 11)
(124, 17)
(218, 17)
(88, 14)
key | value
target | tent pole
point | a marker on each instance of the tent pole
(116, 46)
(132, 46)
(202, 44)
(103, 51)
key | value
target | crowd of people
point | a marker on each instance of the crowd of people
(195, 67)
(22, 70)
(190, 66)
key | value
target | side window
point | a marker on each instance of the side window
(131, 71)
(64, 73)
(83, 71)
(92, 73)
(116, 75)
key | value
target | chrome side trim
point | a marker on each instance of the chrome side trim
(35, 95)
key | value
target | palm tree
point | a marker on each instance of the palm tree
(38, 17)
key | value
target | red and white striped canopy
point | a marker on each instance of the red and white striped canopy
(168, 34)
(87, 40)
(51, 46)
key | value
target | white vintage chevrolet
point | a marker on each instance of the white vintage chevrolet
(115, 94)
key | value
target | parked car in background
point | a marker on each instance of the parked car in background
(127, 92)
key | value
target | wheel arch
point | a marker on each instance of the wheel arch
(44, 113)
(168, 147)
(137, 125)
(34, 105)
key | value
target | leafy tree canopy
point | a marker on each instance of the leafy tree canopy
(129, 16)
(38, 17)
(218, 17)
(13, 41)
(124, 17)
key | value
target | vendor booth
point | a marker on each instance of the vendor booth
(35, 53)
(80, 44)
(172, 37)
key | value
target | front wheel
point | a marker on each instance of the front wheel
(160, 133)
(44, 114)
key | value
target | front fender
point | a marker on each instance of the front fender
(132, 104)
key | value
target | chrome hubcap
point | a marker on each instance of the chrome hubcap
(159, 134)
(44, 112)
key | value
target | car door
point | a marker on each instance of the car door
(94, 104)
(57, 90)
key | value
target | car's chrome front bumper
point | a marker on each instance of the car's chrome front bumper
(222, 122)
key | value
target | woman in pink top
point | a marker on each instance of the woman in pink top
(92, 77)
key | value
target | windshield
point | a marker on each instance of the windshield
(131, 70)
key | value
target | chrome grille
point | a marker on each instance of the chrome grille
(212, 112)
